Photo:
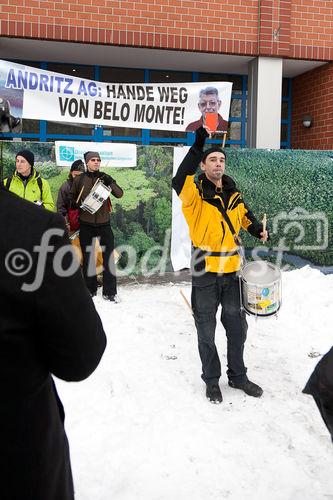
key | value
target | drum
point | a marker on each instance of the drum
(95, 199)
(260, 288)
(75, 240)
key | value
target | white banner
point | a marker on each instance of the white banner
(112, 154)
(180, 251)
(44, 95)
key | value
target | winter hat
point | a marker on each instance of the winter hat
(77, 166)
(214, 149)
(90, 154)
(28, 155)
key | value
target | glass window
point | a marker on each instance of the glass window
(169, 76)
(234, 131)
(168, 135)
(60, 128)
(33, 64)
(76, 70)
(30, 126)
(237, 81)
(285, 87)
(122, 131)
(121, 75)
(284, 132)
(284, 110)
(236, 108)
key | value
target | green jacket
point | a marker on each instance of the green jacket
(30, 190)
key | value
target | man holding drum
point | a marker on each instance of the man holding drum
(215, 212)
(96, 224)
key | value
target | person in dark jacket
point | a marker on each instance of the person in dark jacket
(48, 325)
(93, 225)
(63, 200)
(320, 387)
(216, 261)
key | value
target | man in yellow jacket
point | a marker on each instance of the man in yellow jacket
(215, 212)
(27, 183)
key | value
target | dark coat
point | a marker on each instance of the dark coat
(63, 200)
(320, 386)
(54, 329)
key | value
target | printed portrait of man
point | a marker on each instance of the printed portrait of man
(209, 102)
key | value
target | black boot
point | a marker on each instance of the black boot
(213, 393)
(250, 388)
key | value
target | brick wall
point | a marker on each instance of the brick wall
(313, 94)
(312, 29)
(295, 28)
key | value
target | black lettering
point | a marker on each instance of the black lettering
(115, 116)
(98, 109)
(139, 114)
(159, 115)
(63, 105)
(164, 93)
(130, 91)
(174, 94)
(76, 108)
(141, 94)
(183, 95)
(107, 110)
(124, 112)
(150, 93)
(121, 92)
(111, 91)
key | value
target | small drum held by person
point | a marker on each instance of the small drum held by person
(89, 194)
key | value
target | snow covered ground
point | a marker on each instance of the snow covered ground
(140, 428)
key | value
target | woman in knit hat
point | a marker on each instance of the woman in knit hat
(27, 183)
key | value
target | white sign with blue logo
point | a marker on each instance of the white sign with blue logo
(112, 155)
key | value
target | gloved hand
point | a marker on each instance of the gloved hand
(106, 179)
(201, 135)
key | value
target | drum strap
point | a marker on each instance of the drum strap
(237, 239)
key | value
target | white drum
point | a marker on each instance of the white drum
(95, 199)
(261, 288)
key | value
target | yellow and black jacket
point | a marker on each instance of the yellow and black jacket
(203, 207)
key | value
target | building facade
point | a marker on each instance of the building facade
(277, 53)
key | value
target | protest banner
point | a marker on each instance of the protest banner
(45, 95)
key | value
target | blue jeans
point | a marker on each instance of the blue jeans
(208, 292)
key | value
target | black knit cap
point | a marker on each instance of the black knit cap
(90, 154)
(213, 149)
(77, 166)
(28, 155)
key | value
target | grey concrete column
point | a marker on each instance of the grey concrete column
(264, 103)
